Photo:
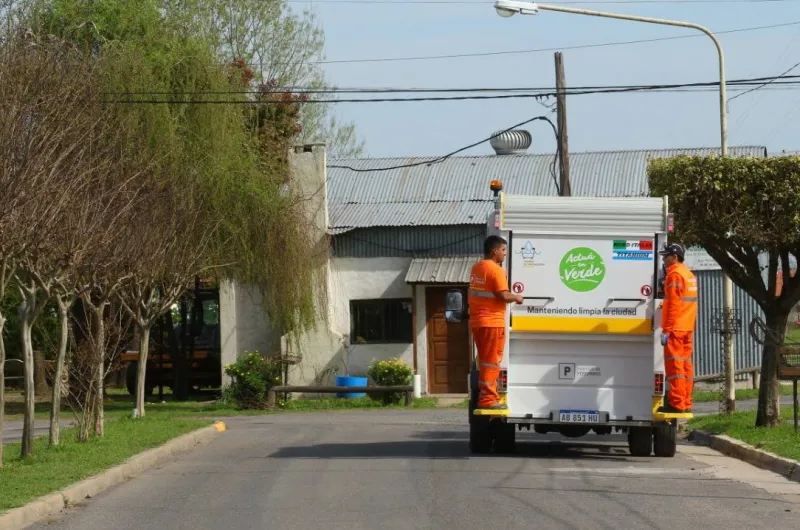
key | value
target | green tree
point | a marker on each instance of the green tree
(281, 46)
(743, 212)
(231, 160)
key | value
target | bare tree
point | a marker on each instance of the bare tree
(47, 85)
(168, 244)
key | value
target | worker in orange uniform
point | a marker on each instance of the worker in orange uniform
(678, 319)
(488, 296)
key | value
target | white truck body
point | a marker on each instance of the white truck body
(583, 346)
(583, 351)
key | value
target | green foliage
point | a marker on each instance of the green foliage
(737, 208)
(233, 172)
(253, 376)
(390, 372)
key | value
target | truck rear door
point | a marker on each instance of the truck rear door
(581, 346)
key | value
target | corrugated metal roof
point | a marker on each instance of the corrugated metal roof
(451, 269)
(456, 190)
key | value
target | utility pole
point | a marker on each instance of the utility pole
(563, 141)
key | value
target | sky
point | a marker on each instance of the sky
(379, 29)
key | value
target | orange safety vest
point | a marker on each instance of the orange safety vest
(679, 312)
(486, 310)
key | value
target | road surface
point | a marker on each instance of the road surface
(368, 470)
(12, 430)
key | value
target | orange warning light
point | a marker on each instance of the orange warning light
(496, 186)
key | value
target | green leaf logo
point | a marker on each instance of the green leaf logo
(582, 269)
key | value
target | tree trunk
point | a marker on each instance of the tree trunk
(769, 410)
(55, 429)
(30, 396)
(41, 387)
(100, 345)
(2, 385)
(144, 346)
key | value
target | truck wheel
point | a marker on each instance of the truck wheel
(480, 435)
(665, 440)
(473, 391)
(505, 441)
(640, 441)
(130, 380)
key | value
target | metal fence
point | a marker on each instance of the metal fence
(707, 342)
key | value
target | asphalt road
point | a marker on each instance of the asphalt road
(12, 430)
(368, 470)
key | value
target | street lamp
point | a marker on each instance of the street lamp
(509, 8)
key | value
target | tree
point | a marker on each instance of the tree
(281, 46)
(745, 212)
(168, 246)
(47, 110)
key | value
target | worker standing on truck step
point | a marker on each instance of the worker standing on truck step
(678, 319)
(488, 296)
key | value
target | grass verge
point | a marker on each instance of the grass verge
(51, 469)
(743, 393)
(205, 405)
(781, 440)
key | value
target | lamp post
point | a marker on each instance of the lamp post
(508, 8)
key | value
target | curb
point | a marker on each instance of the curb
(726, 445)
(58, 501)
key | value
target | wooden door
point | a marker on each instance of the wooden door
(448, 346)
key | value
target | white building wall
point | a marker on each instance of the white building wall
(422, 336)
(244, 325)
(328, 350)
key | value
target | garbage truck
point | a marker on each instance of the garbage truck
(583, 352)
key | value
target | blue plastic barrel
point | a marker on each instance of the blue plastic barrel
(346, 380)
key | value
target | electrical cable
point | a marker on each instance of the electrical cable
(555, 2)
(687, 88)
(552, 49)
(763, 84)
(470, 146)
(786, 80)
(394, 90)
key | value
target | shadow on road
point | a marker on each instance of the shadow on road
(455, 445)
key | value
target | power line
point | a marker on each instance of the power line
(470, 146)
(788, 79)
(764, 84)
(395, 90)
(556, 2)
(683, 87)
(553, 49)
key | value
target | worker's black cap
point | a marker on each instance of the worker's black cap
(673, 249)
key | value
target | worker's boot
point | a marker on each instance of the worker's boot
(669, 409)
(495, 406)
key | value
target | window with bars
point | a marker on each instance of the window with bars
(380, 321)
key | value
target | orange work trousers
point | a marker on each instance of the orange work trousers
(491, 343)
(679, 368)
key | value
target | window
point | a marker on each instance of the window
(380, 321)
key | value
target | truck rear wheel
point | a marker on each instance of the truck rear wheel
(640, 441)
(665, 439)
(481, 435)
(505, 439)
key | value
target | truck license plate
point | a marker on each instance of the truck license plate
(578, 416)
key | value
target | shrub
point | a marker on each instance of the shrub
(390, 372)
(253, 376)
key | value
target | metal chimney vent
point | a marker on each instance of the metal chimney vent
(514, 142)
